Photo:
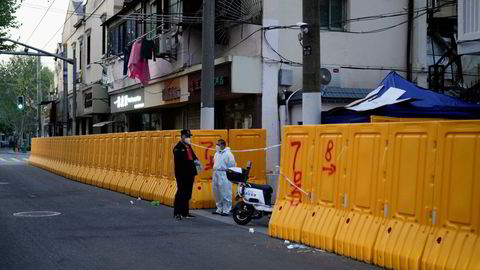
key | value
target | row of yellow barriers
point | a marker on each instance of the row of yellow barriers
(140, 164)
(399, 195)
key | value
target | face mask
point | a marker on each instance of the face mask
(218, 148)
(188, 140)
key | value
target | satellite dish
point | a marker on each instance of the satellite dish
(325, 76)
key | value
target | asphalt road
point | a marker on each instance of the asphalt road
(100, 229)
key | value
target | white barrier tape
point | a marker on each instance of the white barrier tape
(239, 151)
(295, 186)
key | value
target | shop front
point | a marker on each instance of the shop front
(174, 102)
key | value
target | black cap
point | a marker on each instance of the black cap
(186, 132)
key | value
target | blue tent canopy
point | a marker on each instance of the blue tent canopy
(421, 103)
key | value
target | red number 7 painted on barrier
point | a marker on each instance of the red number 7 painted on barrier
(297, 176)
(208, 158)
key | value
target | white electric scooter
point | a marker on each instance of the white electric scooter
(256, 200)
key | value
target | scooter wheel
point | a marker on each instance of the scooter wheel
(243, 215)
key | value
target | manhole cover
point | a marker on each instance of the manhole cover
(36, 214)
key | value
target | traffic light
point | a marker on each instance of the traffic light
(20, 102)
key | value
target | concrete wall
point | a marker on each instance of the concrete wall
(377, 50)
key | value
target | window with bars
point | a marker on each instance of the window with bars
(333, 14)
(117, 38)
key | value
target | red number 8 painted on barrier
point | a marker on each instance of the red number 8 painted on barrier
(328, 153)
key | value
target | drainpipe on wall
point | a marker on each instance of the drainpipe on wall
(410, 39)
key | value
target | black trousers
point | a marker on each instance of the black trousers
(183, 195)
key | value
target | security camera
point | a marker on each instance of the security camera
(301, 24)
(303, 27)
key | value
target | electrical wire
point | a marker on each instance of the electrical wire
(61, 27)
(38, 24)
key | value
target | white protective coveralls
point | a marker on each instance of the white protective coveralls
(222, 187)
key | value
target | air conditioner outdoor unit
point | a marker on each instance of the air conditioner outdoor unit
(336, 73)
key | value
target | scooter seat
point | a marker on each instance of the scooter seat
(265, 188)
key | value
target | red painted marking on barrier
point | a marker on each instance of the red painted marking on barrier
(297, 176)
(208, 158)
(328, 153)
(331, 170)
(296, 194)
(298, 145)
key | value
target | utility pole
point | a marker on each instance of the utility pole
(65, 92)
(207, 105)
(39, 100)
(410, 39)
(312, 97)
(74, 97)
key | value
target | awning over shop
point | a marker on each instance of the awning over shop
(101, 124)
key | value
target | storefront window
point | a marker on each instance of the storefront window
(156, 121)
(145, 121)
(239, 114)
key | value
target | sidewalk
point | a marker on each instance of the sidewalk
(258, 225)
(9, 151)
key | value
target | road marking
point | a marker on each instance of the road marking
(36, 214)
(14, 159)
(2, 159)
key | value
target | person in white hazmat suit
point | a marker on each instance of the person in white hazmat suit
(222, 187)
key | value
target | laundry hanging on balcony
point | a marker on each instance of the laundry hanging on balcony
(148, 49)
(137, 65)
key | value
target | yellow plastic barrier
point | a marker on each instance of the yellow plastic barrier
(104, 162)
(383, 119)
(141, 160)
(70, 144)
(157, 165)
(88, 144)
(81, 158)
(170, 139)
(136, 153)
(97, 148)
(400, 195)
(150, 166)
(141, 164)
(117, 161)
(410, 165)
(365, 180)
(97, 180)
(293, 205)
(109, 160)
(128, 154)
(243, 139)
(202, 196)
(323, 219)
(455, 241)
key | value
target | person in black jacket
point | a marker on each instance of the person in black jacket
(185, 172)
